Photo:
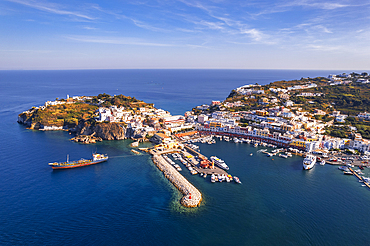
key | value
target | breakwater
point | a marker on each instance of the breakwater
(192, 197)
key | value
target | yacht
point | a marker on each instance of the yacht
(219, 162)
(343, 168)
(309, 161)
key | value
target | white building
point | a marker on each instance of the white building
(173, 121)
(359, 143)
(202, 118)
(288, 103)
(312, 146)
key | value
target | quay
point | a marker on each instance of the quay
(360, 178)
(214, 170)
(192, 196)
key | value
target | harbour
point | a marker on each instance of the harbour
(195, 162)
(131, 201)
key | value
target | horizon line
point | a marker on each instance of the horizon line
(86, 69)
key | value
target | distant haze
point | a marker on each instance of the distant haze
(263, 34)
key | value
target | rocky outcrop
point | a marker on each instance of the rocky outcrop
(105, 131)
(84, 131)
(135, 133)
(86, 139)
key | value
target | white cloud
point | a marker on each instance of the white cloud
(115, 40)
(51, 8)
(255, 34)
(288, 6)
(89, 28)
(144, 25)
(324, 47)
(211, 25)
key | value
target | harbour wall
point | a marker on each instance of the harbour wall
(192, 196)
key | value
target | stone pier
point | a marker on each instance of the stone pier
(192, 197)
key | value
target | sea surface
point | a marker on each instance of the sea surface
(127, 200)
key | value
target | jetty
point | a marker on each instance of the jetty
(192, 196)
(359, 177)
(199, 169)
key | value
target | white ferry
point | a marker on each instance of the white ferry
(219, 162)
(309, 162)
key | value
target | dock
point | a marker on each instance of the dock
(216, 170)
(360, 178)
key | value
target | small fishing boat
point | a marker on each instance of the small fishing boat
(236, 179)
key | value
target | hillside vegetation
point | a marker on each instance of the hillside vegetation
(73, 113)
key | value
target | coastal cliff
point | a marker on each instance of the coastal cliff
(109, 131)
(105, 131)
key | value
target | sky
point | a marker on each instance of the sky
(214, 34)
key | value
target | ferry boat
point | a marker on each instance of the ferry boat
(309, 162)
(219, 162)
(97, 158)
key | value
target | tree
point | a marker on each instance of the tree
(350, 119)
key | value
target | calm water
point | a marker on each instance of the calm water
(128, 201)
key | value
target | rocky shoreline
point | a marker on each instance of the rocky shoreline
(86, 139)
(86, 133)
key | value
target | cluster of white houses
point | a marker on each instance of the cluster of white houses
(299, 141)
(249, 90)
(155, 118)
(279, 126)
(347, 78)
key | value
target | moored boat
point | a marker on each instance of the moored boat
(230, 177)
(219, 162)
(236, 179)
(343, 168)
(347, 173)
(309, 161)
(213, 178)
(97, 158)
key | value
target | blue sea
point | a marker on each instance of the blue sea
(127, 200)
